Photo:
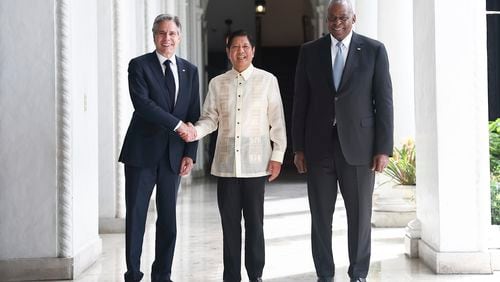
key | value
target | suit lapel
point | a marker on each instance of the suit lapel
(326, 60)
(353, 57)
(182, 98)
(156, 69)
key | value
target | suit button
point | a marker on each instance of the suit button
(336, 99)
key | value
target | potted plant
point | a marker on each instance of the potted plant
(394, 205)
(401, 167)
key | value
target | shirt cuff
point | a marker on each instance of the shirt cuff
(178, 125)
(277, 156)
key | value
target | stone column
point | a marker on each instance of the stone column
(320, 15)
(170, 7)
(367, 17)
(108, 142)
(453, 202)
(117, 224)
(182, 5)
(398, 39)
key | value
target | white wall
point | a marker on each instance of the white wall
(28, 202)
(28, 120)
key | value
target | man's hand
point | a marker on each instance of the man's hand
(187, 132)
(380, 161)
(300, 162)
(186, 166)
(274, 168)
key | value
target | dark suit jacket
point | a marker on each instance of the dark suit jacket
(151, 131)
(362, 106)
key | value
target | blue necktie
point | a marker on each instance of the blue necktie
(169, 79)
(338, 66)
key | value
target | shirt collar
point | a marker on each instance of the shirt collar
(246, 73)
(346, 41)
(162, 58)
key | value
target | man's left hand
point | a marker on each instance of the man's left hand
(380, 162)
(186, 166)
(274, 168)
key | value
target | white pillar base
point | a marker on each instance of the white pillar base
(392, 219)
(413, 231)
(110, 225)
(50, 268)
(453, 262)
(495, 259)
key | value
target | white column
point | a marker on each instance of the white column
(153, 9)
(195, 54)
(452, 135)
(181, 13)
(367, 17)
(320, 15)
(125, 48)
(108, 151)
(64, 127)
(169, 7)
(398, 39)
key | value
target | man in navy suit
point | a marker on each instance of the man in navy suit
(342, 131)
(165, 92)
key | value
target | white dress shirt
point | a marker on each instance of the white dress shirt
(345, 47)
(173, 67)
(247, 109)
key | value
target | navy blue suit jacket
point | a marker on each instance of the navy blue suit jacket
(362, 106)
(151, 131)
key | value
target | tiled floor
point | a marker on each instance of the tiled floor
(198, 254)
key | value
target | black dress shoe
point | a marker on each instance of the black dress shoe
(256, 280)
(358, 279)
(325, 279)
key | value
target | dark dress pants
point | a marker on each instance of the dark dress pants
(356, 185)
(234, 196)
(139, 184)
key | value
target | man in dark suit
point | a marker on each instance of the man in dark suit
(342, 130)
(165, 92)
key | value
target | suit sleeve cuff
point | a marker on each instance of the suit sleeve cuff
(177, 126)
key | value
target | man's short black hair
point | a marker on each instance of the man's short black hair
(237, 33)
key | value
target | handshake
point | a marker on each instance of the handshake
(187, 132)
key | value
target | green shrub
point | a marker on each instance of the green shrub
(495, 204)
(495, 170)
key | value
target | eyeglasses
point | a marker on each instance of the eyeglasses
(335, 19)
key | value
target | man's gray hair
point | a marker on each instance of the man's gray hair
(348, 3)
(165, 17)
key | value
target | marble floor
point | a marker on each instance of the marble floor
(198, 254)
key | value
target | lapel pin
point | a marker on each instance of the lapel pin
(359, 48)
(183, 70)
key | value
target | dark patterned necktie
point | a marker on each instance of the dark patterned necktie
(169, 79)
